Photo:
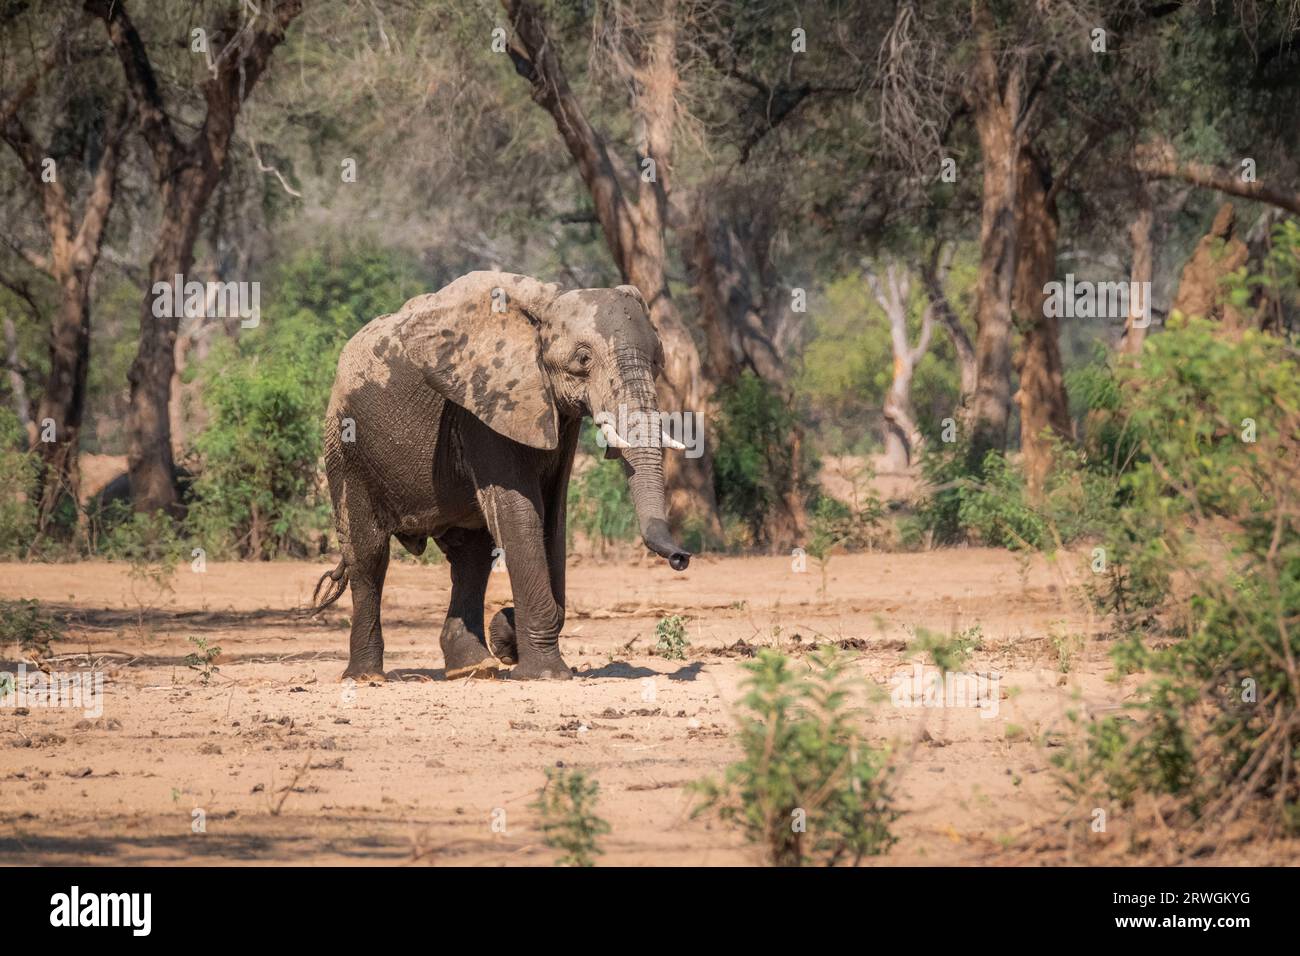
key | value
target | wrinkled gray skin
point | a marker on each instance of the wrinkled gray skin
(464, 421)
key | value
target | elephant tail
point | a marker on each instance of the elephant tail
(324, 595)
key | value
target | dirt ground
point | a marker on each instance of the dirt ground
(287, 765)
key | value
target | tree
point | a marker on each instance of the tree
(633, 227)
(1044, 406)
(187, 171)
(903, 439)
(75, 238)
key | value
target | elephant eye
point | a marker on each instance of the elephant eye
(582, 358)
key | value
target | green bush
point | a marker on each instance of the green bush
(150, 543)
(808, 787)
(259, 493)
(567, 807)
(992, 505)
(18, 470)
(600, 504)
(1210, 542)
(670, 638)
(754, 464)
(257, 496)
(27, 624)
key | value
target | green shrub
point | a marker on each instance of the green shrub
(27, 624)
(992, 505)
(948, 653)
(600, 504)
(151, 544)
(203, 659)
(1217, 515)
(808, 787)
(18, 470)
(567, 807)
(257, 496)
(754, 464)
(670, 638)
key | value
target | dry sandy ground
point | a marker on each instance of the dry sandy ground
(288, 767)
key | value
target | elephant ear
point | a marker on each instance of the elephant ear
(635, 293)
(479, 342)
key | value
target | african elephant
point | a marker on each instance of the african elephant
(456, 418)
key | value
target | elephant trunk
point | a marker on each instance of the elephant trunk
(643, 460)
(646, 478)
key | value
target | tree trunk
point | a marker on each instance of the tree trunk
(150, 462)
(1139, 313)
(1044, 405)
(187, 172)
(996, 107)
(933, 274)
(74, 252)
(1217, 255)
(634, 233)
(902, 438)
(63, 402)
(737, 337)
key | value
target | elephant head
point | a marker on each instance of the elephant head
(519, 354)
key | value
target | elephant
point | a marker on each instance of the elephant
(457, 418)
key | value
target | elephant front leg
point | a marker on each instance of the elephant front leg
(516, 524)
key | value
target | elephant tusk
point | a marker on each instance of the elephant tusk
(612, 438)
(669, 441)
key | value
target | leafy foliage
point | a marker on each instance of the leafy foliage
(203, 659)
(754, 464)
(670, 638)
(28, 624)
(600, 504)
(808, 787)
(992, 505)
(259, 494)
(150, 543)
(18, 470)
(567, 806)
(1215, 505)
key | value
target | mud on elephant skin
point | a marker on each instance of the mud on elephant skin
(456, 419)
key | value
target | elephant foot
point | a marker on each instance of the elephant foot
(364, 672)
(548, 665)
(464, 655)
(501, 636)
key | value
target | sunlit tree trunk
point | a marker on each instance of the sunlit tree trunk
(1044, 406)
(1140, 272)
(995, 101)
(902, 438)
(633, 226)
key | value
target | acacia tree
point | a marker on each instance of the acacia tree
(187, 171)
(633, 224)
(74, 227)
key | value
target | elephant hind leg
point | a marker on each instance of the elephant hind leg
(464, 649)
(365, 555)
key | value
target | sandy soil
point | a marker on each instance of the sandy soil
(288, 766)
